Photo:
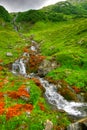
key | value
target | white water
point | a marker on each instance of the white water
(19, 67)
(56, 99)
(72, 108)
(33, 48)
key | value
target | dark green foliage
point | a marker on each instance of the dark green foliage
(65, 7)
(4, 14)
(55, 17)
(31, 16)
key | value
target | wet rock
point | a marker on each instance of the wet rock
(48, 125)
(35, 46)
(46, 66)
(85, 97)
(79, 125)
(9, 54)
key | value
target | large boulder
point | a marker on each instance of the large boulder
(46, 66)
(48, 125)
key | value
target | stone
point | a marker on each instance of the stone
(79, 125)
(9, 54)
(24, 98)
(46, 66)
(48, 125)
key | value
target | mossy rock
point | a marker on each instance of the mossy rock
(66, 91)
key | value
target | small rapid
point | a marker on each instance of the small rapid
(72, 108)
(19, 66)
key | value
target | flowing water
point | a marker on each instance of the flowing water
(72, 108)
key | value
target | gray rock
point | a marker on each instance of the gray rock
(79, 125)
(48, 125)
(9, 54)
(46, 66)
(24, 98)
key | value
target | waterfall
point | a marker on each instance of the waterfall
(19, 67)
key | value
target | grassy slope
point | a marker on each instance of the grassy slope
(10, 41)
(67, 42)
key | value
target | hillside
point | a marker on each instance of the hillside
(4, 14)
(61, 11)
(41, 49)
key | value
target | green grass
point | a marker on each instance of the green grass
(67, 42)
(37, 118)
(10, 41)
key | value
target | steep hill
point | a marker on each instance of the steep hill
(4, 14)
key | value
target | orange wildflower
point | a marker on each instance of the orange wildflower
(2, 104)
(17, 110)
(41, 106)
(1, 96)
(1, 60)
(14, 111)
(1, 84)
(28, 107)
(13, 94)
(17, 94)
(23, 92)
(26, 49)
(1, 68)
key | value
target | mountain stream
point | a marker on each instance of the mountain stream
(53, 97)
